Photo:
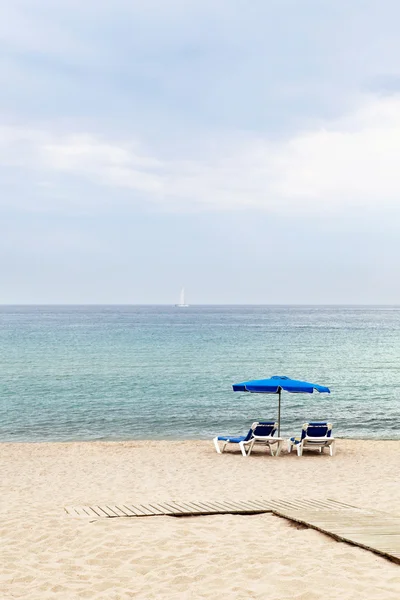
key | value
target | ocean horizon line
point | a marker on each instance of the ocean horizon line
(193, 305)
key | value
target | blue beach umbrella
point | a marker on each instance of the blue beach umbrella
(275, 385)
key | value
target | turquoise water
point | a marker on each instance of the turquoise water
(131, 372)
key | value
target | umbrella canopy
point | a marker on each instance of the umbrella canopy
(275, 385)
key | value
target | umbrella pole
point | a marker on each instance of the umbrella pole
(279, 413)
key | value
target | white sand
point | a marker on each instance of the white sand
(46, 554)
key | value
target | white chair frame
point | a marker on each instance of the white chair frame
(314, 442)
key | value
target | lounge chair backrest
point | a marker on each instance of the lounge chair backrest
(316, 429)
(265, 428)
(250, 433)
(261, 428)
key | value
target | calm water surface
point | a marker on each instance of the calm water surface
(131, 372)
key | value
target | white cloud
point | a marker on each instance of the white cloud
(351, 162)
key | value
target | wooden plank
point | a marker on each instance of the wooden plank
(117, 511)
(176, 510)
(207, 508)
(240, 507)
(95, 511)
(90, 512)
(291, 504)
(192, 508)
(283, 505)
(301, 505)
(226, 507)
(136, 511)
(126, 510)
(147, 510)
(373, 531)
(200, 508)
(253, 506)
(167, 510)
(141, 510)
(259, 505)
(157, 510)
(79, 511)
(230, 506)
(319, 505)
(263, 505)
(187, 508)
(323, 505)
(107, 511)
(71, 510)
(386, 540)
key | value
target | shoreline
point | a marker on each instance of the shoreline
(175, 440)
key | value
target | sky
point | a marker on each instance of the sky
(248, 150)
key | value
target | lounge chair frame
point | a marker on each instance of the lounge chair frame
(251, 439)
(310, 441)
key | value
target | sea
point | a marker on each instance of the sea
(161, 372)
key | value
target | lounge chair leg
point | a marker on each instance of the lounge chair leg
(250, 447)
(278, 449)
(242, 448)
(299, 449)
(332, 449)
(215, 440)
(269, 447)
(289, 447)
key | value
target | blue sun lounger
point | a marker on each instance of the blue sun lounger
(314, 435)
(259, 432)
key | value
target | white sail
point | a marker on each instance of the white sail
(182, 299)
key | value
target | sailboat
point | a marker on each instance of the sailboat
(182, 300)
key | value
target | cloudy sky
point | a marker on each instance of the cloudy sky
(249, 150)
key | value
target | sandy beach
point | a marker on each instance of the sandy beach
(47, 554)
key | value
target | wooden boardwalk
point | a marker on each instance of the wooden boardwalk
(376, 531)
(187, 509)
(373, 530)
